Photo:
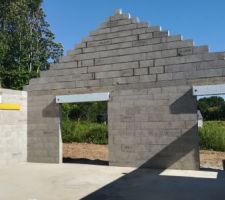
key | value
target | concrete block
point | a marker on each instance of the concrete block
(141, 71)
(143, 25)
(148, 78)
(110, 67)
(93, 83)
(189, 58)
(201, 49)
(127, 148)
(126, 72)
(107, 74)
(146, 42)
(120, 17)
(160, 34)
(106, 82)
(164, 77)
(63, 72)
(206, 73)
(124, 27)
(146, 63)
(117, 23)
(139, 31)
(185, 51)
(146, 30)
(181, 67)
(83, 83)
(124, 39)
(87, 63)
(112, 35)
(99, 43)
(145, 36)
(156, 70)
(126, 80)
(179, 75)
(118, 59)
(171, 38)
(161, 54)
(210, 64)
(109, 47)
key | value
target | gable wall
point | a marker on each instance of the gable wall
(152, 113)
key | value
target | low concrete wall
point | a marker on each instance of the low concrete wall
(13, 128)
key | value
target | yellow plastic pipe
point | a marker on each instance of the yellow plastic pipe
(9, 106)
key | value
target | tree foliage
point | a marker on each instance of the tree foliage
(83, 111)
(212, 108)
(26, 42)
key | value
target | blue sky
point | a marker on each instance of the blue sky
(200, 20)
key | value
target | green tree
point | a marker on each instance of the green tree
(83, 111)
(26, 42)
(212, 108)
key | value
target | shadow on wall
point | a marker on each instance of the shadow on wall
(176, 151)
(186, 104)
(52, 110)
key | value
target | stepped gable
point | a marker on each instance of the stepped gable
(126, 51)
(152, 113)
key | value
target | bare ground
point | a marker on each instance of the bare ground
(212, 159)
(84, 150)
(208, 159)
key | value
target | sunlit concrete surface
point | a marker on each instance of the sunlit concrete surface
(29, 181)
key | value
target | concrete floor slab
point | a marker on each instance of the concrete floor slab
(29, 181)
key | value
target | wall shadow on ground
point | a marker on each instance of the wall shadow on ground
(85, 161)
(146, 183)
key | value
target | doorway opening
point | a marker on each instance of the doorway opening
(211, 127)
(84, 130)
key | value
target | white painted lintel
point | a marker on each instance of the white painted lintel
(204, 90)
(79, 98)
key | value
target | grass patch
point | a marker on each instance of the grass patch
(84, 132)
(212, 135)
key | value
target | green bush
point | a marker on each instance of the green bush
(85, 132)
(212, 135)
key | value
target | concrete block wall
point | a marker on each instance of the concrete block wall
(152, 129)
(149, 73)
(13, 129)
